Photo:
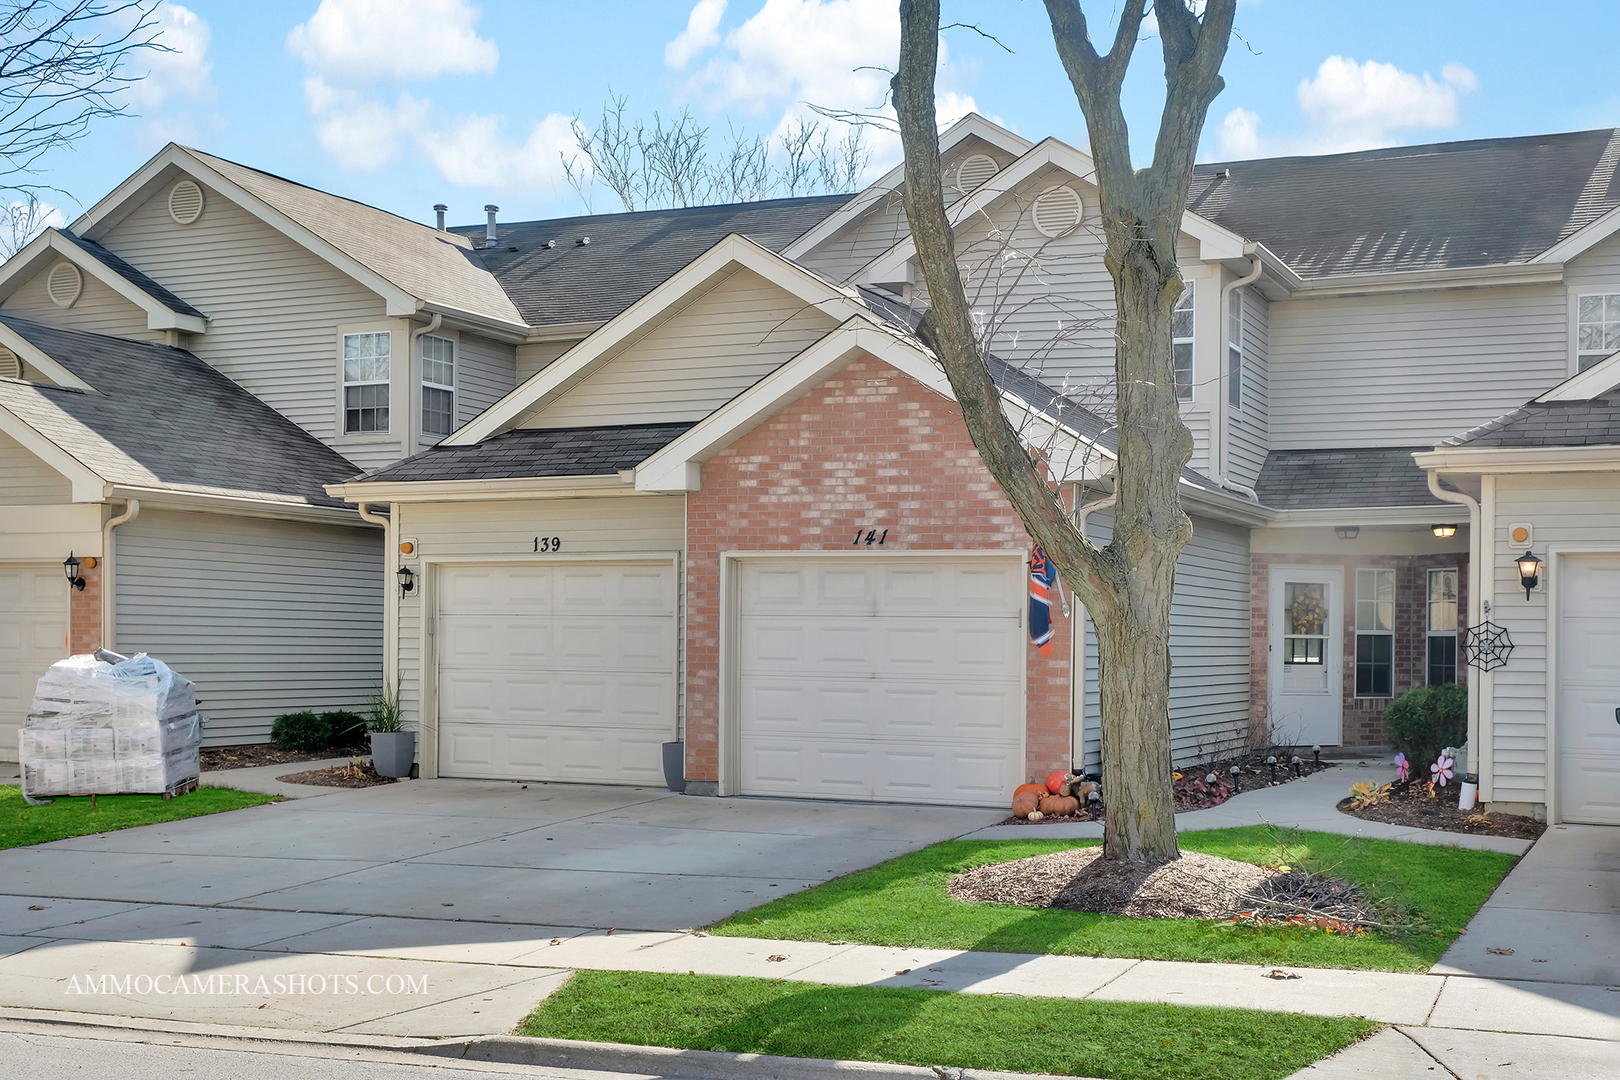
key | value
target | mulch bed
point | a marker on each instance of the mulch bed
(1412, 807)
(356, 774)
(246, 757)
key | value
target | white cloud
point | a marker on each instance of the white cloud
(1240, 135)
(360, 41)
(361, 134)
(182, 72)
(476, 152)
(702, 32)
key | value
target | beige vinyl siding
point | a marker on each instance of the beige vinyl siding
(274, 308)
(25, 480)
(1209, 646)
(1410, 368)
(505, 532)
(1595, 271)
(695, 361)
(98, 310)
(485, 373)
(1198, 422)
(533, 359)
(265, 616)
(1248, 432)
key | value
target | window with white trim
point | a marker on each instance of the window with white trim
(1234, 351)
(1375, 633)
(1597, 329)
(1181, 340)
(365, 383)
(1442, 626)
(438, 386)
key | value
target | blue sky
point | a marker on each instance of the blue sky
(404, 103)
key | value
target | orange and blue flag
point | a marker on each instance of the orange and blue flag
(1042, 576)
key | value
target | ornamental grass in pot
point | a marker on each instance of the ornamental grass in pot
(393, 749)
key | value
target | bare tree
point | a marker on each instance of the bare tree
(1126, 586)
(62, 67)
(20, 222)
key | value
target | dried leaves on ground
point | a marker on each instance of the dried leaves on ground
(246, 757)
(359, 773)
(1412, 806)
(1193, 790)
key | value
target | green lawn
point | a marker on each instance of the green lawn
(903, 902)
(21, 824)
(1117, 1040)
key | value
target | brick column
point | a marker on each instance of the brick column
(84, 624)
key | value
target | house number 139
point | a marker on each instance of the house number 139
(547, 543)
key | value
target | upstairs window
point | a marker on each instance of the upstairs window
(365, 383)
(1597, 329)
(1181, 340)
(438, 386)
(1375, 633)
(1442, 626)
(1234, 352)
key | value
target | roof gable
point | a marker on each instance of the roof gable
(164, 310)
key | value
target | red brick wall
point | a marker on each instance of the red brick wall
(84, 622)
(1363, 717)
(869, 447)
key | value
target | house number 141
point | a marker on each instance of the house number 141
(869, 537)
(547, 543)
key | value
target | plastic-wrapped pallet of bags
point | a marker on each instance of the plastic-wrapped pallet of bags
(106, 724)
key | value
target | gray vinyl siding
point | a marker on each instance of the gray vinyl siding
(1248, 428)
(505, 532)
(533, 359)
(1410, 368)
(1597, 269)
(265, 616)
(25, 480)
(1209, 647)
(1198, 422)
(695, 361)
(98, 310)
(485, 372)
(273, 307)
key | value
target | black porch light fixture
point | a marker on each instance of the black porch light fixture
(1529, 571)
(407, 580)
(70, 566)
(1347, 532)
(1444, 531)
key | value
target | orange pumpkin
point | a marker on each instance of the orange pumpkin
(1055, 782)
(1058, 805)
(1026, 799)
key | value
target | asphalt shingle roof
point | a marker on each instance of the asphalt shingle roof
(536, 452)
(132, 275)
(629, 254)
(1554, 423)
(1325, 479)
(163, 418)
(1442, 206)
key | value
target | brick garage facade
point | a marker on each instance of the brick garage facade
(84, 615)
(868, 447)
(1362, 717)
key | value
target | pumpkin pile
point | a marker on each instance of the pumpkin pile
(1062, 794)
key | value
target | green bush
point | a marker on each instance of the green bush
(1425, 720)
(301, 732)
(347, 728)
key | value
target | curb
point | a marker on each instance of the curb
(689, 1064)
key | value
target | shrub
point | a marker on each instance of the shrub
(347, 729)
(1425, 720)
(301, 732)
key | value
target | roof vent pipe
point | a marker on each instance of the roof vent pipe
(489, 227)
(439, 209)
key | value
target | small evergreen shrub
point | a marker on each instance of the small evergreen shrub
(347, 729)
(301, 732)
(1425, 720)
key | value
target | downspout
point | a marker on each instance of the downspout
(1076, 685)
(1476, 598)
(390, 601)
(1220, 404)
(413, 374)
(132, 507)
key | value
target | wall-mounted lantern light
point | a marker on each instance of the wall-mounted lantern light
(1529, 571)
(1444, 531)
(70, 566)
(1347, 532)
(407, 580)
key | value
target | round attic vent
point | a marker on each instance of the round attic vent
(10, 366)
(975, 170)
(1058, 211)
(64, 284)
(185, 202)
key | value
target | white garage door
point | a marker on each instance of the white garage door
(894, 678)
(1588, 728)
(33, 636)
(559, 671)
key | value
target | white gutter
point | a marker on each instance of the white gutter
(1219, 450)
(240, 505)
(390, 601)
(108, 637)
(1476, 598)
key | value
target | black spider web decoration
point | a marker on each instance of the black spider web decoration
(1487, 647)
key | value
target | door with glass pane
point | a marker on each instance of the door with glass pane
(1306, 654)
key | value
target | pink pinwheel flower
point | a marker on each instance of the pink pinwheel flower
(1441, 770)
(1403, 768)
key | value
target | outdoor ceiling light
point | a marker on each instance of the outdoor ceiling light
(70, 566)
(1347, 532)
(1529, 571)
(1444, 531)
(407, 580)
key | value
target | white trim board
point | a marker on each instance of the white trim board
(50, 245)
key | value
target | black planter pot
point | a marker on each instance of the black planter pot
(675, 766)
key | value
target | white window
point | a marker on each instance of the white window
(365, 382)
(1375, 633)
(1597, 329)
(1442, 626)
(1181, 340)
(1234, 351)
(438, 386)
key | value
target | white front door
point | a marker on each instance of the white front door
(557, 671)
(1588, 721)
(1307, 650)
(33, 636)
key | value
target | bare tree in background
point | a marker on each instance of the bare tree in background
(20, 222)
(1126, 586)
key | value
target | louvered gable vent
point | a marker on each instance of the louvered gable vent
(10, 366)
(64, 284)
(975, 170)
(185, 202)
(1058, 211)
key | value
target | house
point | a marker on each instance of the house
(689, 475)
